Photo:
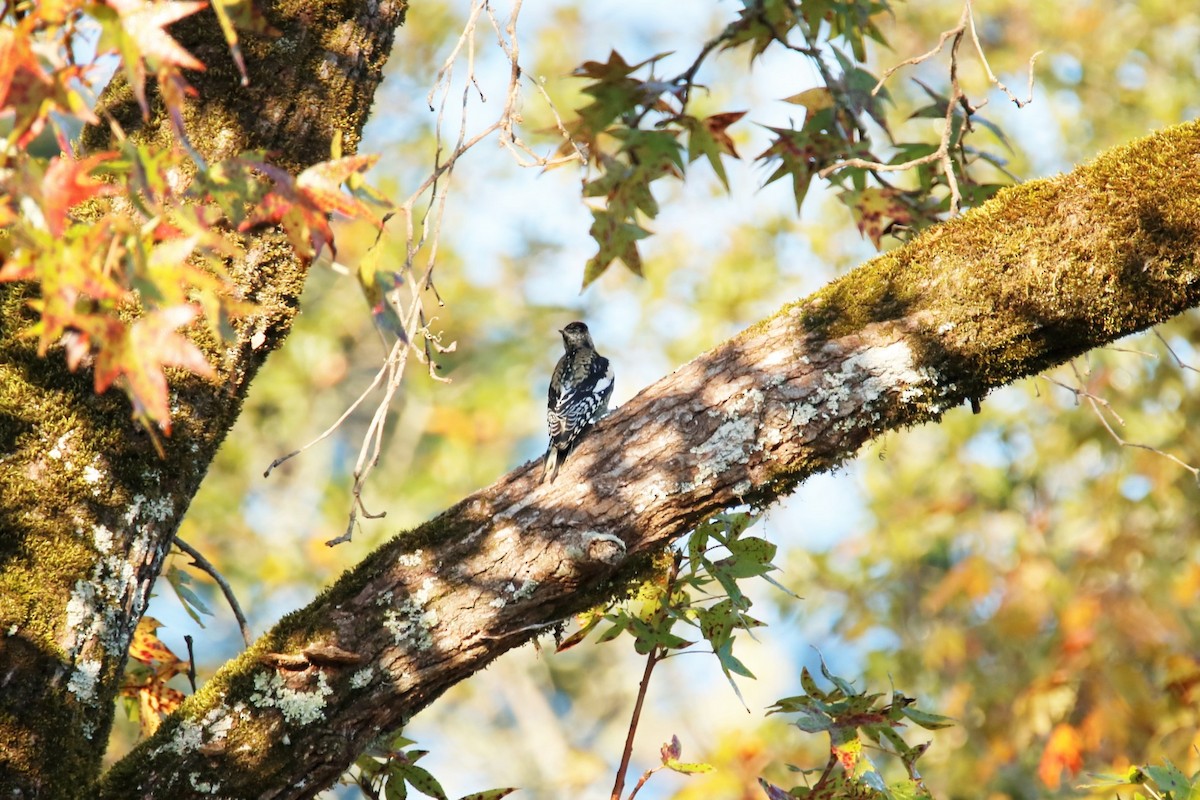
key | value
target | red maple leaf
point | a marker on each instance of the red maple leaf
(302, 205)
(68, 182)
(138, 353)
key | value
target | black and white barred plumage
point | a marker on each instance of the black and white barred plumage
(579, 392)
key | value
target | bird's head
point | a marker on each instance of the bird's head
(575, 336)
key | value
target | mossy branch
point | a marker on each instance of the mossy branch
(1041, 274)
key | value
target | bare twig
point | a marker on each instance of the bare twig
(988, 67)
(1179, 362)
(1102, 408)
(191, 673)
(642, 781)
(655, 655)
(328, 431)
(198, 560)
(651, 659)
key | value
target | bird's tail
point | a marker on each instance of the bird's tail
(550, 469)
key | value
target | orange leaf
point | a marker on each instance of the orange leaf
(321, 185)
(303, 205)
(67, 183)
(717, 124)
(140, 354)
(146, 647)
(155, 701)
(1064, 750)
(27, 89)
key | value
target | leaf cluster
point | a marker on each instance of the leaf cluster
(640, 128)
(855, 721)
(699, 588)
(389, 769)
(127, 250)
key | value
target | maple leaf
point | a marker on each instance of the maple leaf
(146, 21)
(137, 354)
(67, 273)
(708, 137)
(137, 30)
(31, 92)
(155, 701)
(149, 686)
(67, 183)
(147, 648)
(302, 204)
(877, 211)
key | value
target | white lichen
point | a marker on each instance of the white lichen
(142, 508)
(525, 591)
(84, 678)
(410, 621)
(361, 678)
(91, 474)
(411, 559)
(186, 738)
(297, 707)
(202, 786)
(103, 538)
(726, 446)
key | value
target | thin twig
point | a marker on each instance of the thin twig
(1100, 406)
(655, 655)
(329, 431)
(204, 564)
(627, 754)
(988, 67)
(191, 673)
(1179, 362)
(432, 194)
(642, 781)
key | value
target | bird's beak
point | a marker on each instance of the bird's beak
(562, 330)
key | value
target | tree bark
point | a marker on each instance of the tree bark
(87, 508)
(1043, 273)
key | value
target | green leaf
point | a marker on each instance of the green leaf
(395, 788)
(926, 720)
(616, 239)
(845, 688)
(1168, 778)
(490, 794)
(708, 138)
(419, 777)
(729, 663)
(751, 556)
(180, 581)
(688, 768)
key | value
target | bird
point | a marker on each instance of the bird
(580, 389)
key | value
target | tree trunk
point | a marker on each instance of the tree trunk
(87, 508)
(1042, 273)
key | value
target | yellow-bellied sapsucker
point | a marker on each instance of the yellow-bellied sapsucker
(579, 392)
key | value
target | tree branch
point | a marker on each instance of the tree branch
(1042, 273)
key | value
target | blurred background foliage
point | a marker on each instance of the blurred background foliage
(1017, 570)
